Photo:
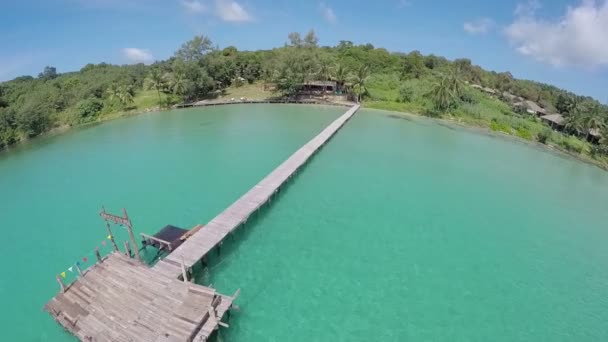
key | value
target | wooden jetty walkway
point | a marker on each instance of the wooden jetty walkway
(198, 245)
(120, 298)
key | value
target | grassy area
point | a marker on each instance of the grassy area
(253, 91)
(147, 99)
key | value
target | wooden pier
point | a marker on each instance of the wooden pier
(198, 245)
(120, 298)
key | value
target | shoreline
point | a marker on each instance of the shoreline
(551, 148)
(57, 131)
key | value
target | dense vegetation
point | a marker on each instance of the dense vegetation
(427, 85)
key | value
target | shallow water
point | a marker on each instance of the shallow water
(396, 230)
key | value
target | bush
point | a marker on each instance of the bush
(599, 150)
(572, 144)
(500, 126)
(406, 93)
(89, 107)
(544, 136)
(468, 98)
(524, 133)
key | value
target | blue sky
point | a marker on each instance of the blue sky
(562, 42)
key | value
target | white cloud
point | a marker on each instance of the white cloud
(527, 9)
(232, 11)
(136, 55)
(579, 38)
(193, 6)
(328, 13)
(479, 26)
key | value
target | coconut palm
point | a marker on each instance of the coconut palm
(454, 84)
(178, 84)
(324, 74)
(574, 123)
(592, 121)
(442, 94)
(156, 81)
(360, 79)
(112, 92)
(125, 94)
(340, 74)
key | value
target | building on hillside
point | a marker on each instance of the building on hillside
(556, 121)
(489, 91)
(486, 90)
(594, 136)
(511, 98)
(530, 107)
(319, 87)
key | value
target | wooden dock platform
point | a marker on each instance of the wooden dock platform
(202, 242)
(121, 299)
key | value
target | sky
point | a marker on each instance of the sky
(560, 42)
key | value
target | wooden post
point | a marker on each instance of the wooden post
(127, 249)
(110, 233)
(97, 254)
(60, 281)
(131, 236)
(184, 273)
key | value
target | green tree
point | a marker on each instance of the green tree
(126, 93)
(341, 75)
(157, 81)
(359, 81)
(413, 65)
(564, 104)
(89, 107)
(179, 84)
(311, 40)
(574, 124)
(454, 84)
(442, 95)
(295, 39)
(195, 49)
(406, 93)
(48, 73)
(324, 73)
(593, 121)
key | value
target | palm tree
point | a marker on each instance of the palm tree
(574, 123)
(268, 76)
(125, 94)
(454, 83)
(179, 84)
(156, 81)
(112, 91)
(340, 74)
(360, 80)
(592, 121)
(442, 94)
(324, 73)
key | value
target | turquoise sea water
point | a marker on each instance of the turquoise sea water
(397, 230)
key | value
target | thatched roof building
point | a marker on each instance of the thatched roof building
(554, 120)
(530, 107)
